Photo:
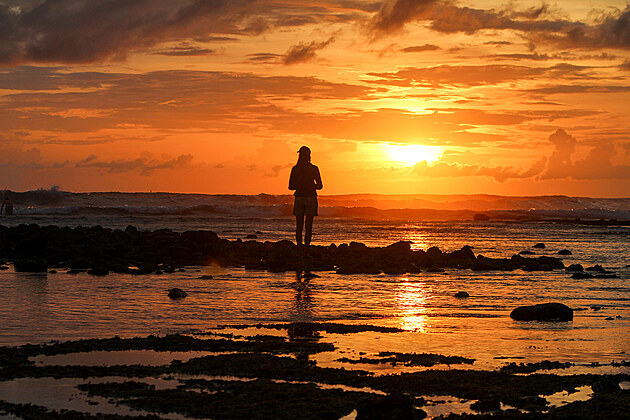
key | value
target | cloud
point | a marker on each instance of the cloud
(420, 48)
(498, 173)
(145, 164)
(303, 52)
(469, 76)
(185, 50)
(264, 57)
(599, 163)
(610, 27)
(17, 157)
(86, 31)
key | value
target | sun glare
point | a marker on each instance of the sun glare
(413, 153)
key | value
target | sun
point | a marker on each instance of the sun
(413, 153)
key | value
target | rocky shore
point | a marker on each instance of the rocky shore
(101, 250)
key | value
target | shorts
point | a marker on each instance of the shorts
(305, 205)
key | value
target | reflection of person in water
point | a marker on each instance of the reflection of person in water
(305, 180)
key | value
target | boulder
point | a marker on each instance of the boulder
(543, 312)
(251, 236)
(393, 406)
(205, 277)
(539, 245)
(461, 295)
(565, 252)
(98, 271)
(526, 252)
(177, 293)
(580, 275)
(575, 268)
(597, 268)
(31, 265)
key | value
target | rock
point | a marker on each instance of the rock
(461, 295)
(435, 270)
(73, 271)
(610, 318)
(52, 272)
(526, 252)
(31, 265)
(565, 252)
(486, 405)
(309, 275)
(251, 236)
(480, 217)
(575, 267)
(258, 232)
(205, 277)
(543, 312)
(393, 406)
(539, 245)
(3, 267)
(597, 268)
(99, 271)
(580, 276)
(177, 293)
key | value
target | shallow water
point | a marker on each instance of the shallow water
(37, 308)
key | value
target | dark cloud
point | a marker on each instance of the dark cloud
(420, 48)
(611, 27)
(18, 157)
(566, 89)
(146, 165)
(264, 57)
(85, 31)
(303, 52)
(625, 65)
(185, 50)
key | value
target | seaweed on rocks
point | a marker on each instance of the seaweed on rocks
(327, 327)
(410, 359)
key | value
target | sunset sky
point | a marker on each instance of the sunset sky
(394, 96)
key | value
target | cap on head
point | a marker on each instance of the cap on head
(304, 150)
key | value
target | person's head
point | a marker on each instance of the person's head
(304, 155)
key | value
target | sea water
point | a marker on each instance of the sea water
(36, 308)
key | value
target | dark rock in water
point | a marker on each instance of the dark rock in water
(31, 265)
(73, 271)
(575, 267)
(177, 293)
(486, 405)
(52, 272)
(205, 277)
(480, 217)
(606, 276)
(526, 252)
(309, 275)
(596, 308)
(597, 268)
(251, 236)
(435, 270)
(98, 271)
(393, 406)
(159, 272)
(543, 312)
(3, 267)
(539, 245)
(610, 318)
(565, 252)
(258, 232)
(181, 270)
(461, 295)
(580, 275)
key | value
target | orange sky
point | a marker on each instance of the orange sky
(216, 96)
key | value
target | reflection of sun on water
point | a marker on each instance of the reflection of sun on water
(411, 300)
(413, 153)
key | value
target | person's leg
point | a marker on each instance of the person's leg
(308, 232)
(299, 223)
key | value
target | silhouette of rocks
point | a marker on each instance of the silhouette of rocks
(31, 265)
(98, 271)
(526, 252)
(486, 405)
(543, 312)
(205, 277)
(539, 245)
(597, 268)
(565, 252)
(480, 217)
(141, 252)
(580, 275)
(251, 236)
(177, 293)
(461, 295)
(575, 268)
(393, 406)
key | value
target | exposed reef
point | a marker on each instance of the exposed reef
(99, 250)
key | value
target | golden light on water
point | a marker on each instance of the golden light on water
(411, 301)
(413, 153)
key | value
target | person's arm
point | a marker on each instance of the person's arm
(318, 180)
(292, 180)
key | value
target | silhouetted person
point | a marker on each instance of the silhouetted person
(7, 205)
(305, 180)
